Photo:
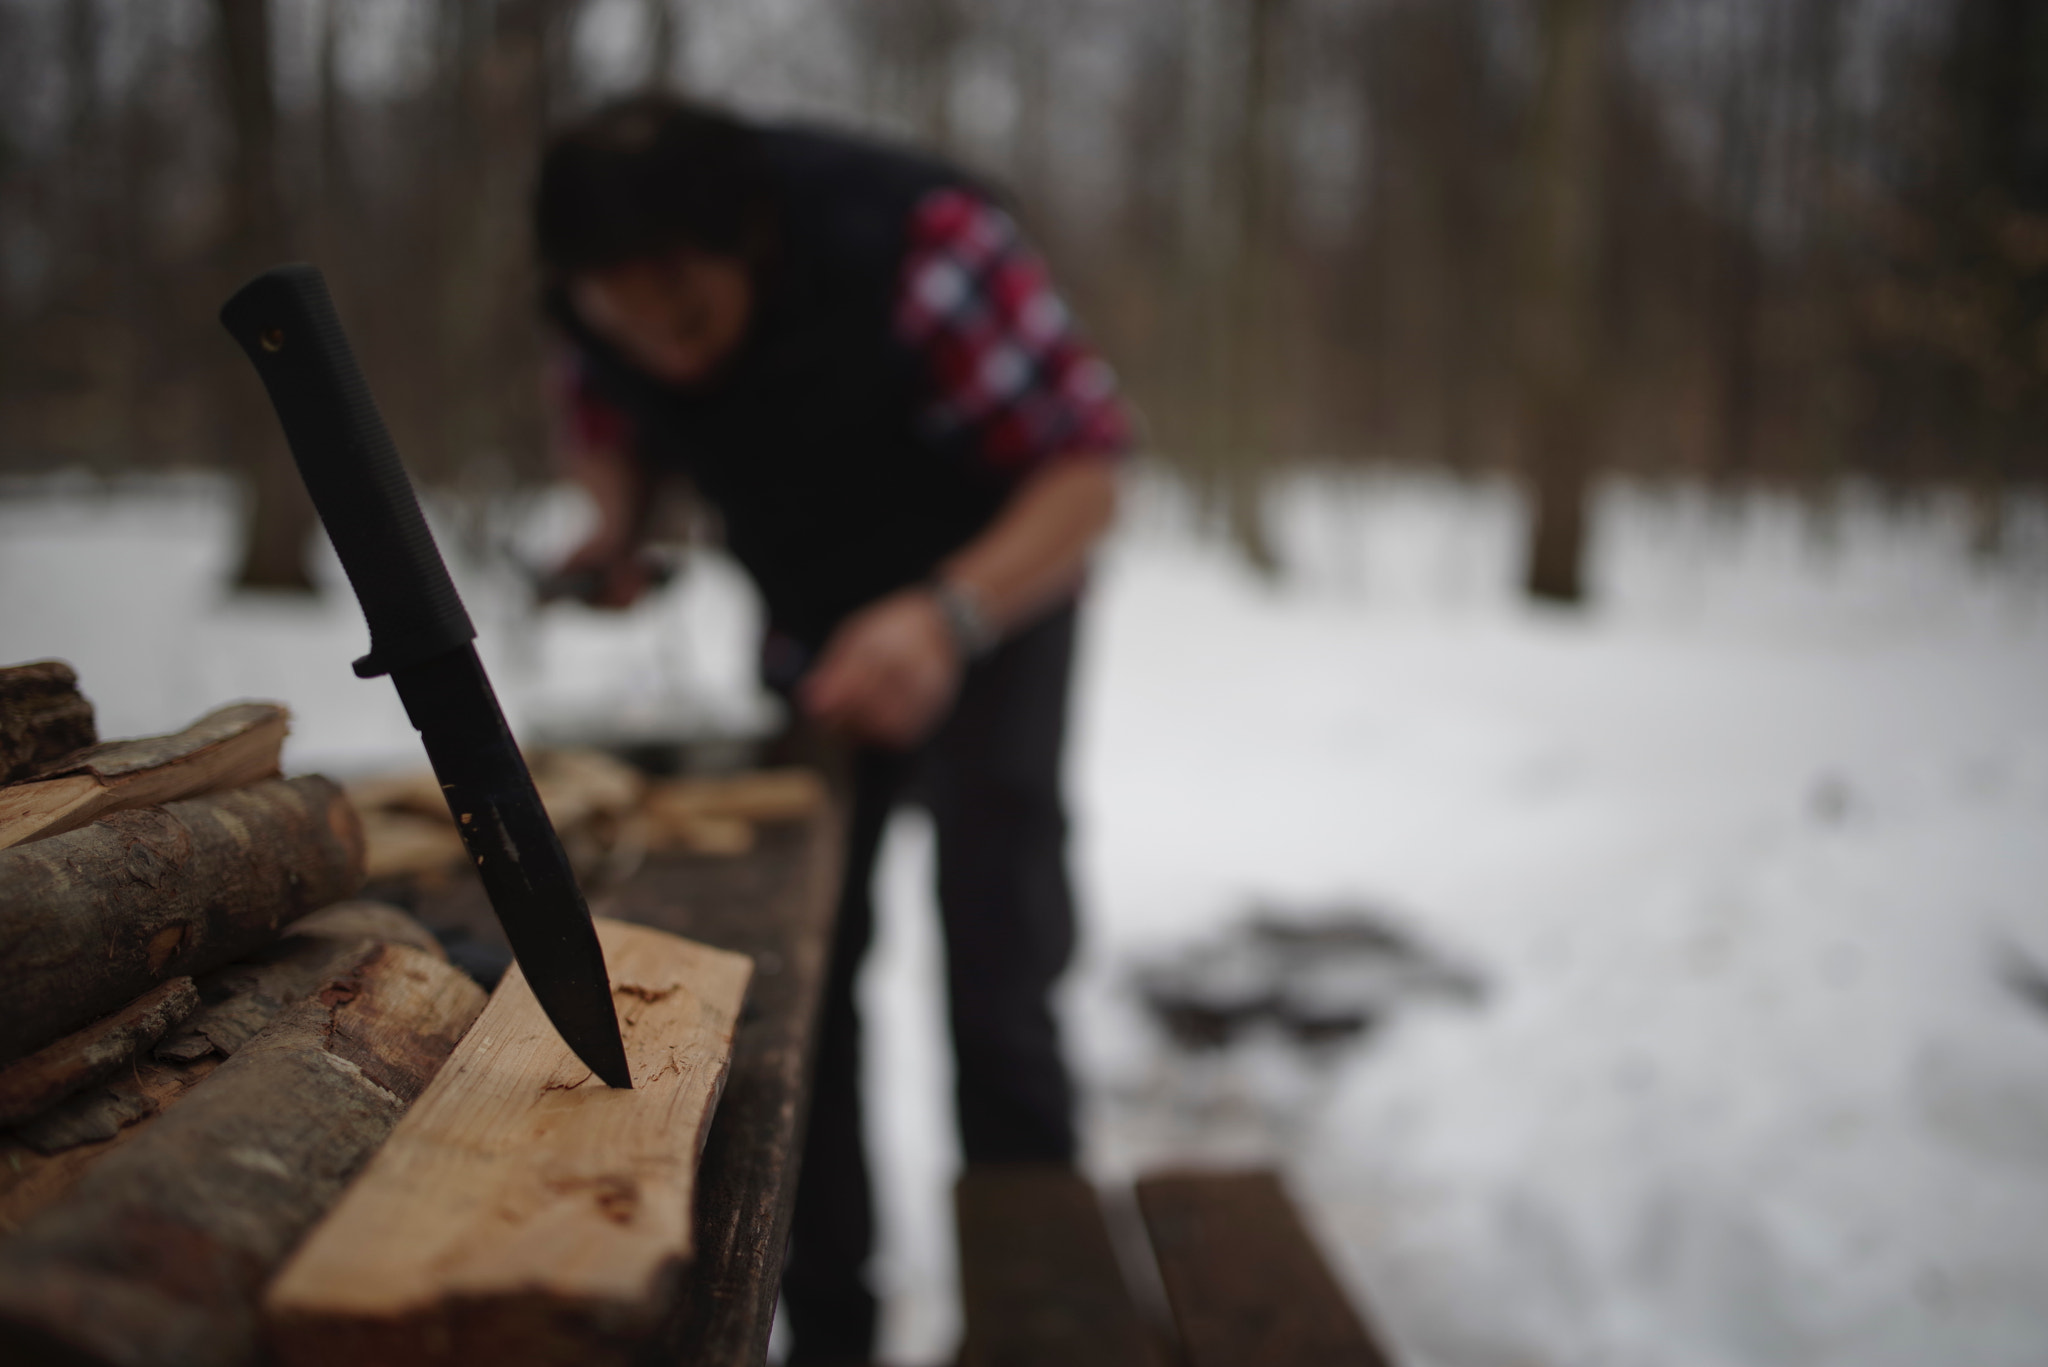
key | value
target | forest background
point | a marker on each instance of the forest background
(1794, 243)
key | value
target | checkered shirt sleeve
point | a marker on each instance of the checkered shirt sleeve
(1005, 359)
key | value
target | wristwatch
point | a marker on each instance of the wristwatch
(973, 634)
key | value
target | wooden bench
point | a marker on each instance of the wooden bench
(1039, 1281)
(1247, 1287)
(1246, 1282)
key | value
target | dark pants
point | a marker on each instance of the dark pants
(990, 777)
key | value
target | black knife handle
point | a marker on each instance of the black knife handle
(286, 323)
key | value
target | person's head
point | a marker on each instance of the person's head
(650, 217)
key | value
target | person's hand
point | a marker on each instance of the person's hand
(888, 674)
(599, 575)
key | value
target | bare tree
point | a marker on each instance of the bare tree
(1560, 357)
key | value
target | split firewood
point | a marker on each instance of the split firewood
(42, 717)
(579, 786)
(160, 1252)
(766, 795)
(48, 1154)
(92, 918)
(75, 1062)
(399, 844)
(230, 748)
(523, 1212)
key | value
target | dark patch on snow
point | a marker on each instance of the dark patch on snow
(1322, 976)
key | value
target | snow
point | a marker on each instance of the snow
(1747, 854)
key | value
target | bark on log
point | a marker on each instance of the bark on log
(48, 1155)
(82, 1058)
(230, 748)
(159, 1254)
(525, 1213)
(93, 918)
(42, 717)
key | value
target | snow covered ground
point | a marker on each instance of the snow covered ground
(1750, 855)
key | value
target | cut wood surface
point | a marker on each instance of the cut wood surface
(1248, 1286)
(230, 748)
(48, 1155)
(93, 918)
(1039, 1281)
(160, 1252)
(55, 1071)
(42, 717)
(523, 1212)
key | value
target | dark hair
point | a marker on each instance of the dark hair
(645, 176)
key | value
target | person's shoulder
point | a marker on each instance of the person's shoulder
(811, 159)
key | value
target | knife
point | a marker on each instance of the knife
(421, 636)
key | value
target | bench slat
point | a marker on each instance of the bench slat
(1246, 1282)
(1039, 1280)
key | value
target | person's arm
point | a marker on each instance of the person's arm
(593, 445)
(890, 671)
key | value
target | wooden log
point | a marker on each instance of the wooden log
(1247, 1285)
(523, 1212)
(159, 1254)
(230, 748)
(74, 1062)
(42, 717)
(48, 1155)
(1039, 1281)
(93, 918)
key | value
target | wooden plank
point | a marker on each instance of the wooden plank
(774, 903)
(42, 717)
(93, 918)
(230, 748)
(1039, 1280)
(157, 1257)
(523, 1212)
(82, 1058)
(1246, 1282)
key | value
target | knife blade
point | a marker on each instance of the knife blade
(422, 637)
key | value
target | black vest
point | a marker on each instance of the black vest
(808, 440)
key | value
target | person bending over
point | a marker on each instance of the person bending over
(853, 357)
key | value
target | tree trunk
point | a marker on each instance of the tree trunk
(279, 517)
(91, 919)
(159, 1254)
(1559, 360)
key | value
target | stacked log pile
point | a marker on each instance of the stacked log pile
(201, 1039)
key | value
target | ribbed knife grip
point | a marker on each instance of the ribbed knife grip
(286, 323)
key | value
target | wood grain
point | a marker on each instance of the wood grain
(158, 1256)
(230, 748)
(524, 1213)
(93, 918)
(1247, 1284)
(85, 1056)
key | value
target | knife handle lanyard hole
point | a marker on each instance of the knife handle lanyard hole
(273, 339)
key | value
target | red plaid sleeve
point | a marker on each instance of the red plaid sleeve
(1005, 358)
(584, 420)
